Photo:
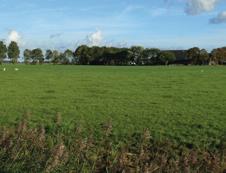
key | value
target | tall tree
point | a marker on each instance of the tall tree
(193, 54)
(27, 56)
(13, 52)
(3, 51)
(219, 55)
(83, 54)
(49, 55)
(37, 56)
(204, 57)
(123, 57)
(167, 57)
(68, 56)
(62, 59)
(136, 54)
(198, 56)
(95, 54)
(56, 57)
(151, 56)
(109, 54)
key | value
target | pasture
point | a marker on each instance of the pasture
(185, 104)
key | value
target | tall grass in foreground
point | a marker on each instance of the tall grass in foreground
(25, 149)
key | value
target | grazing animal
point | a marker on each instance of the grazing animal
(4, 69)
(16, 69)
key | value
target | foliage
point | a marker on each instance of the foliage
(197, 56)
(3, 51)
(27, 56)
(56, 57)
(135, 55)
(62, 58)
(204, 57)
(13, 52)
(116, 56)
(49, 55)
(37, 56)
(167, 57)
(67, 57)
(136, 52)
(219, 55)
(151, 57)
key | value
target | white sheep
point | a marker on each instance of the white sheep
(16, 69)
(4, 69)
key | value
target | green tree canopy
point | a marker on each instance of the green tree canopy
(167, 57)
(49, 55)
(56, 57)
(151, 56)
(136, 54)
(82, 52)
(219, 55)
(193, 54)
(67, 56)
(37, 56)
(198, 56)
(13, 52)
(204, 57)
(3, 51)
(27, 55)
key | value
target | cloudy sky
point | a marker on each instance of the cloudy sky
(167, 24)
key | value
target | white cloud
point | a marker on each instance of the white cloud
(195, 7)
(95, 39)
(14, 36)
(220, 18)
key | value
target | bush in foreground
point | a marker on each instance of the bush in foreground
(25, 149)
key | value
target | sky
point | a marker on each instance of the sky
(166, 24)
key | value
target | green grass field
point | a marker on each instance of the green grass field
(186, 104)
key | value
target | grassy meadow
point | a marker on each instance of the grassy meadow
(185, 104)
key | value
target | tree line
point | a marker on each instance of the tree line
(135, 55)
